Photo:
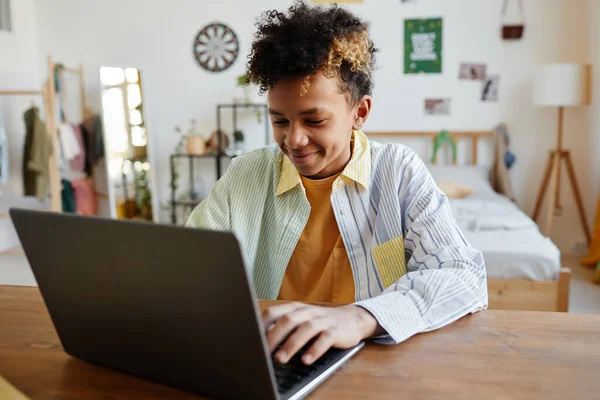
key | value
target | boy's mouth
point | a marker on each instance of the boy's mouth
(301, 158)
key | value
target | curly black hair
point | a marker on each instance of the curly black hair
(309, 39)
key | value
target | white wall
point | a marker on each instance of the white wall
(157, 38)
(19, 69)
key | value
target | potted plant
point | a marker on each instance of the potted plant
(238, 142)
(143, 195)
(244, 83)
(195, 143)
(251, 95)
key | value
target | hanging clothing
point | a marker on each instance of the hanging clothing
(38, 148)
(509, 156)
(68, 141)
(57, 74)
(93, 139)
(29, 177)
(3, 154)
(88, 145)
(98, 138)
(499, 177)
(78, 162)
(68, 197)
(84, 196)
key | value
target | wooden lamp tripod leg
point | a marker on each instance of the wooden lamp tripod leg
(571, 171)
(543, 186)
(553, 187)
(560, 152)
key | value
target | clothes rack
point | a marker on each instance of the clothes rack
(55, 189)
(49, 95)
(85, 111)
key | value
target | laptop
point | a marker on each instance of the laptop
(170, 304)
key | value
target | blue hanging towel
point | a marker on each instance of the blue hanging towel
(68, 197)
(509, 156)
(57, 82)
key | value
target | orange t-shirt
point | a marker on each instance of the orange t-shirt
(319, 270)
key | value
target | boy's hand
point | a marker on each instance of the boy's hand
(340, 327)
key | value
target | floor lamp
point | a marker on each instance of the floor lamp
(561, 85)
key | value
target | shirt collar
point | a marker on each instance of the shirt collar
(358, 168)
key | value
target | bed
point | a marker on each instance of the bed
(523, 266)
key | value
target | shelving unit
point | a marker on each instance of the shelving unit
(193, 199)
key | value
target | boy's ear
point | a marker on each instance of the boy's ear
(363, 109)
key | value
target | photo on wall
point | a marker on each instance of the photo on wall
(490, 88)
(423, 46)
(474, 72)
(438, 106)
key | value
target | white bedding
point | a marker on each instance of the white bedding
(511, 243)
(522, 254)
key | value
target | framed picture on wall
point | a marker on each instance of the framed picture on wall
(439, 106)
(474, 72)
(490, 88)
(423, 46)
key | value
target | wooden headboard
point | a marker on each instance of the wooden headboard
(474, 136)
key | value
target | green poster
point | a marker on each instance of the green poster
(423, 46)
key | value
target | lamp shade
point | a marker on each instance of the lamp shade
(562, 85)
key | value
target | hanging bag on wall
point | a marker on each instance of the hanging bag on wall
(513, 31)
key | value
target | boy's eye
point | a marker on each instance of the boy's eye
(280, 122)
(315, 121)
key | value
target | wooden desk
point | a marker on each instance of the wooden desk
(490, 355)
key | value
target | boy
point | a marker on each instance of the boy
(327, 216)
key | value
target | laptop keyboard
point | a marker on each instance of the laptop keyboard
(295, 371)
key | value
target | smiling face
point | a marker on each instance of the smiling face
(314, 129)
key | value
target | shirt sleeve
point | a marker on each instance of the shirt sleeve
(214, 211)
(446, 277)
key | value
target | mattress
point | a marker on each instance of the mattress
(522, 254)
(511, 243)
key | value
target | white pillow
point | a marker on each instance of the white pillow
(476, 177)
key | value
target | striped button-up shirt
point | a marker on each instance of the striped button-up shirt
(413, 268)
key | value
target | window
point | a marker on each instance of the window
(5, 24)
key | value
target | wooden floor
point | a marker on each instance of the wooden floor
(584, 295)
